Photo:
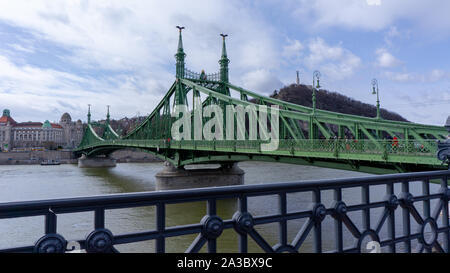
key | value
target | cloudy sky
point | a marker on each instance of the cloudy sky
(58, 56)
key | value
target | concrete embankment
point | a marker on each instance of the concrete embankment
(35, 157)
(67, 157)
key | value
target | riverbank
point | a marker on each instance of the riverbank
(67, 157)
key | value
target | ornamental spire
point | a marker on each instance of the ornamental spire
(224, 61)
(180, 39)
(89, 114)
(180, 56)
(107, 114)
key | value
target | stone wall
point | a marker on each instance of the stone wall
(67, 157)
(35, 157)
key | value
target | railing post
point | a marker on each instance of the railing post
(338, 223)
(317, 225)
(50, 222)
(282, 206)
(243, 237)
(406, 218)
(212, 211)
(365, 199)
(160, 226)
(99, 218)
(445, 213)
(391, 219)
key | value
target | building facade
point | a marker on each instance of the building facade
(28, 135)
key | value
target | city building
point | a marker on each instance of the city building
(28, 135)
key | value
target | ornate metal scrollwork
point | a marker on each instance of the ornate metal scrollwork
(445, 193)
(99, 241)
(368, 233)
(212, 226)
(340, 209)
(243, 222)
(443, 153)
(278, 248)
(428, 242)
(392, 202)
(318, 213)
(50, 243)
(406, 199)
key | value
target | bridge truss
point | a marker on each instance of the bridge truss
(307, 136)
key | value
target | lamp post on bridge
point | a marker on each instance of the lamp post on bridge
(376, 91)
(316, 78)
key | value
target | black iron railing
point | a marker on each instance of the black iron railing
(432, 233)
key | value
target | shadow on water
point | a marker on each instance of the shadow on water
(121, 182)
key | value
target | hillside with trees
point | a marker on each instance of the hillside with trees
(331, 101)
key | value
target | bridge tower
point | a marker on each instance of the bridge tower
(228, 173)
(224, 61)
(180, 93)
(100, 161)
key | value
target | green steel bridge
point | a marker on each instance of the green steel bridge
(308, 136)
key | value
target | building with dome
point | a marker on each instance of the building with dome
(72, 131)
(28, 135)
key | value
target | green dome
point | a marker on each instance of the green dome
(46, 124)
(6, 113)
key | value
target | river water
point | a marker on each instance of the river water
(35, 182)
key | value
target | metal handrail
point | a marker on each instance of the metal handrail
(243, 222)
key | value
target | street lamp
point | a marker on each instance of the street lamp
(377, 92)
(316, 78)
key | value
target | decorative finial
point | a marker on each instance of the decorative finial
(224, 61)
(224, 48)
(107, 113)
(180, 28)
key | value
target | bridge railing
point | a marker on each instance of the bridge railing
(336, 146)
(423, 225)
(190, 75)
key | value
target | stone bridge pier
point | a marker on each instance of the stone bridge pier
(96, 162)
(171, 178)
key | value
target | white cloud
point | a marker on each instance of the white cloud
(293, 49)
(373, 15)
(128, 46)
(19, 47)
(400, 77)
(433, 76)
(437, 74)
(386, 59)
(261, 81)
(373, 2)
(335, 61)
(47, 93)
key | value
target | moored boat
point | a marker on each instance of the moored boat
(50, 162)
